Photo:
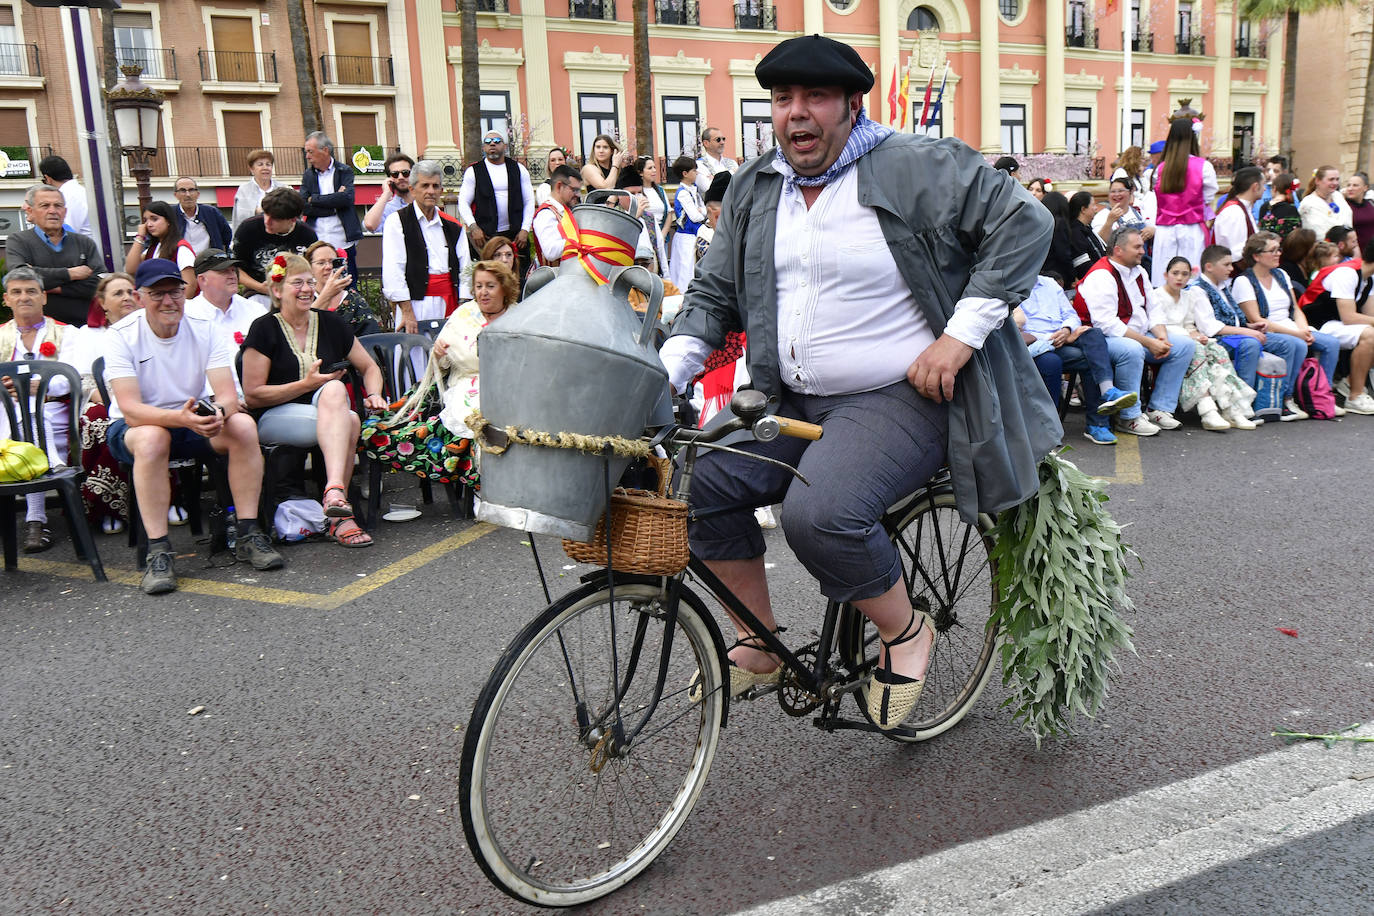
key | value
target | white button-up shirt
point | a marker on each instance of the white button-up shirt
(394, 253)
(330, 228)
(1100, 294)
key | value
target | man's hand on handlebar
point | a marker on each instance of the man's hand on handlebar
(933, 372)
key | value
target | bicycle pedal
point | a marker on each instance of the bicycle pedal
(757, 691)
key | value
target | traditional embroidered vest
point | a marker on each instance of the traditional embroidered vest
(484, 199)
(1223, 305)
(1184, 207)
(53, 332)
(567, 228)
(1319, 305)
(417, 255)
(1124, 308)
(1249, 223)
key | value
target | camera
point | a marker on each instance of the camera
(205, 408)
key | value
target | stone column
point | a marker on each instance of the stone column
(1054, 76)
(889, 50)
(989, 84)
(1273, 99)
(436, 82)
(538, 77)
(813, 17)
(1220, 114)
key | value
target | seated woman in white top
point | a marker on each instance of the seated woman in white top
(1123, 211)
(1211, 385)
(1323, 206)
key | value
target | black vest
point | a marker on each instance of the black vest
(417, 255)
(484, 198)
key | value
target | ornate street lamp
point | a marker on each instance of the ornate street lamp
(138, 111)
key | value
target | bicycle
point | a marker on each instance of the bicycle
(585, 753)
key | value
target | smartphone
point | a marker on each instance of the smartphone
(338, 262)
(205, 408)
(342, 365)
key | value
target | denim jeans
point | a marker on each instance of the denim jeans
(1172, 369)
(1095, 355)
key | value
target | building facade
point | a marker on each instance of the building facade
(1333, 70)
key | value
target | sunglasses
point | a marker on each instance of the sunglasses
(403, 173)
(488, 141)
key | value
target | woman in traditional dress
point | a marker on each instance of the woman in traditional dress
(1184, 188)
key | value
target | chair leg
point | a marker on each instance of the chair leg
(81, 528)
(426, 491)
(190, 489)
(9, 530)
(374, 495)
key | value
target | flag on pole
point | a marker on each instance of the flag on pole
(902, 101)
(925, 102)
(939, 97)
(892, 98)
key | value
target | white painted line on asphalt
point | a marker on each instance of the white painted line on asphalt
(1111, 852)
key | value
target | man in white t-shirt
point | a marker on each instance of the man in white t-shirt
(158, 363)
(1338, 302)
(497, 198)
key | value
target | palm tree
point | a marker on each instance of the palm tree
(644, 104)
(1288, 10)
(306, 85)
(472, 101)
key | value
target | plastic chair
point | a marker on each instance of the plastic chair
(430, 327)
(25, 416)
(188, 471)
(394, 355)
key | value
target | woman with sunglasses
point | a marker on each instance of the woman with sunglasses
(396, 192)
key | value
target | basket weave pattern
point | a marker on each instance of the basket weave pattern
(648, 531)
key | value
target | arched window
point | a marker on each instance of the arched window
(1009, 9)
(922, 19)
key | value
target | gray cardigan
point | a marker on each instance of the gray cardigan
(68, 300)
(956, 228)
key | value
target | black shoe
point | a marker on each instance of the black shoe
(159, 577)
(255, 548)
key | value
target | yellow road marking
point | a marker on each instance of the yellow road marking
(264, 595)
(1128, 470)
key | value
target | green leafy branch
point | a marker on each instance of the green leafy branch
(1291, 737)
(1061, 577)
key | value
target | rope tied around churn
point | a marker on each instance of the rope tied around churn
(494, 440)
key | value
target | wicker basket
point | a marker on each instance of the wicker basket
(649, 531)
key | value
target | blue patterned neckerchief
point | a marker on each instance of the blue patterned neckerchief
(1223, 306)
(862, 137)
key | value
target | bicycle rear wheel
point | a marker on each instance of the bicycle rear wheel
(951, 576)
(574, 777)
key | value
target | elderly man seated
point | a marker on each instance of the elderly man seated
(1059, 340)
(32, 335)
(158, 364)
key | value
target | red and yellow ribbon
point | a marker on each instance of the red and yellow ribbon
(588, 244)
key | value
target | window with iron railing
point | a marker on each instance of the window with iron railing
(677, 12)
(591, 9)
(237, 66)
(751, 14)
(352, 70)
(19, 60)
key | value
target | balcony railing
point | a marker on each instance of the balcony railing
(491, 6)
(19, 60)
(238, 66)
(677, 12)
(591, 9)
(349, 70)
(750, 14)
(1144, 41)
(157, 63)
(222, 162)
(1081, 37)
(1190, 44)
(22, 160)
(1252, 47)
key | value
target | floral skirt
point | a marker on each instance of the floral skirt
(422, 446)
(1212, 374)
(105, 490)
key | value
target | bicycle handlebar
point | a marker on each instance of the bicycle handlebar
(797, 429)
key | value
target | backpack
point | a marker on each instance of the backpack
(1269, 386)
(1313, 391)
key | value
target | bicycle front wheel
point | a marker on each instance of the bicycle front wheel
(951, 576)
(585, 755)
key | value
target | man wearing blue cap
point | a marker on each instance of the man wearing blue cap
(159, 363)
(873, 273)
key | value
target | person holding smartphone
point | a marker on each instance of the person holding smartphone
(396, 192)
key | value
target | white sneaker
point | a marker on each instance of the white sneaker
(1137, 426)
(1297, 412)
(1337, 411)
(1363, 404)
(764, 515)
(1215, 422)
(1343, 388)
(1237, 418)
(1163, 419)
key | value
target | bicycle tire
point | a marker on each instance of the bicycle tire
(544, 822)
(928, 535)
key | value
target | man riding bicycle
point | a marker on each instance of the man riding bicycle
(872, 273)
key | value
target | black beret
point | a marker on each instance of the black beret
(716, 191)
(814, 60)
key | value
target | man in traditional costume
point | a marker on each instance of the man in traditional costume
(873, 273)
(424, 254)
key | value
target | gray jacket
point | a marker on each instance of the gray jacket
(956, 228)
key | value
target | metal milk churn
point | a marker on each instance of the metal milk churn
(574, 357)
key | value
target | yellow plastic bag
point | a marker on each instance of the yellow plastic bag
(20, 461)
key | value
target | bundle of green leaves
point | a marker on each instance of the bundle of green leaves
(1061, 577)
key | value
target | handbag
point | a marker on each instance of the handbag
(21, 461)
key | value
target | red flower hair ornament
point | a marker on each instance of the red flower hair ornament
(48, 349)
(278, 269)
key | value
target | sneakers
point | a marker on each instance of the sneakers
(1215, 422)
(159, 577)
(1099, 435)
(1115, 400)
(1343, 388)
(1163, 419)
(1136, 426)
(1337, 411)
(1363, 404)
(1291, 411)
(1237, 418)
(255, 548)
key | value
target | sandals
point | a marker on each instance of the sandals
(891, 696)
(741, 680)
(340, 509)
(110, 525)
(37, 537)
(347, 532)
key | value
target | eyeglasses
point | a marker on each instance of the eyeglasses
(188, 190)
(174, 295)
(403, 173)
(489, 141)
(300, 284)
(1272, 251)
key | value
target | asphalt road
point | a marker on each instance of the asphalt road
(321, 775)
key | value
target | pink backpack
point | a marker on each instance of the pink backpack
(1313, 391)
